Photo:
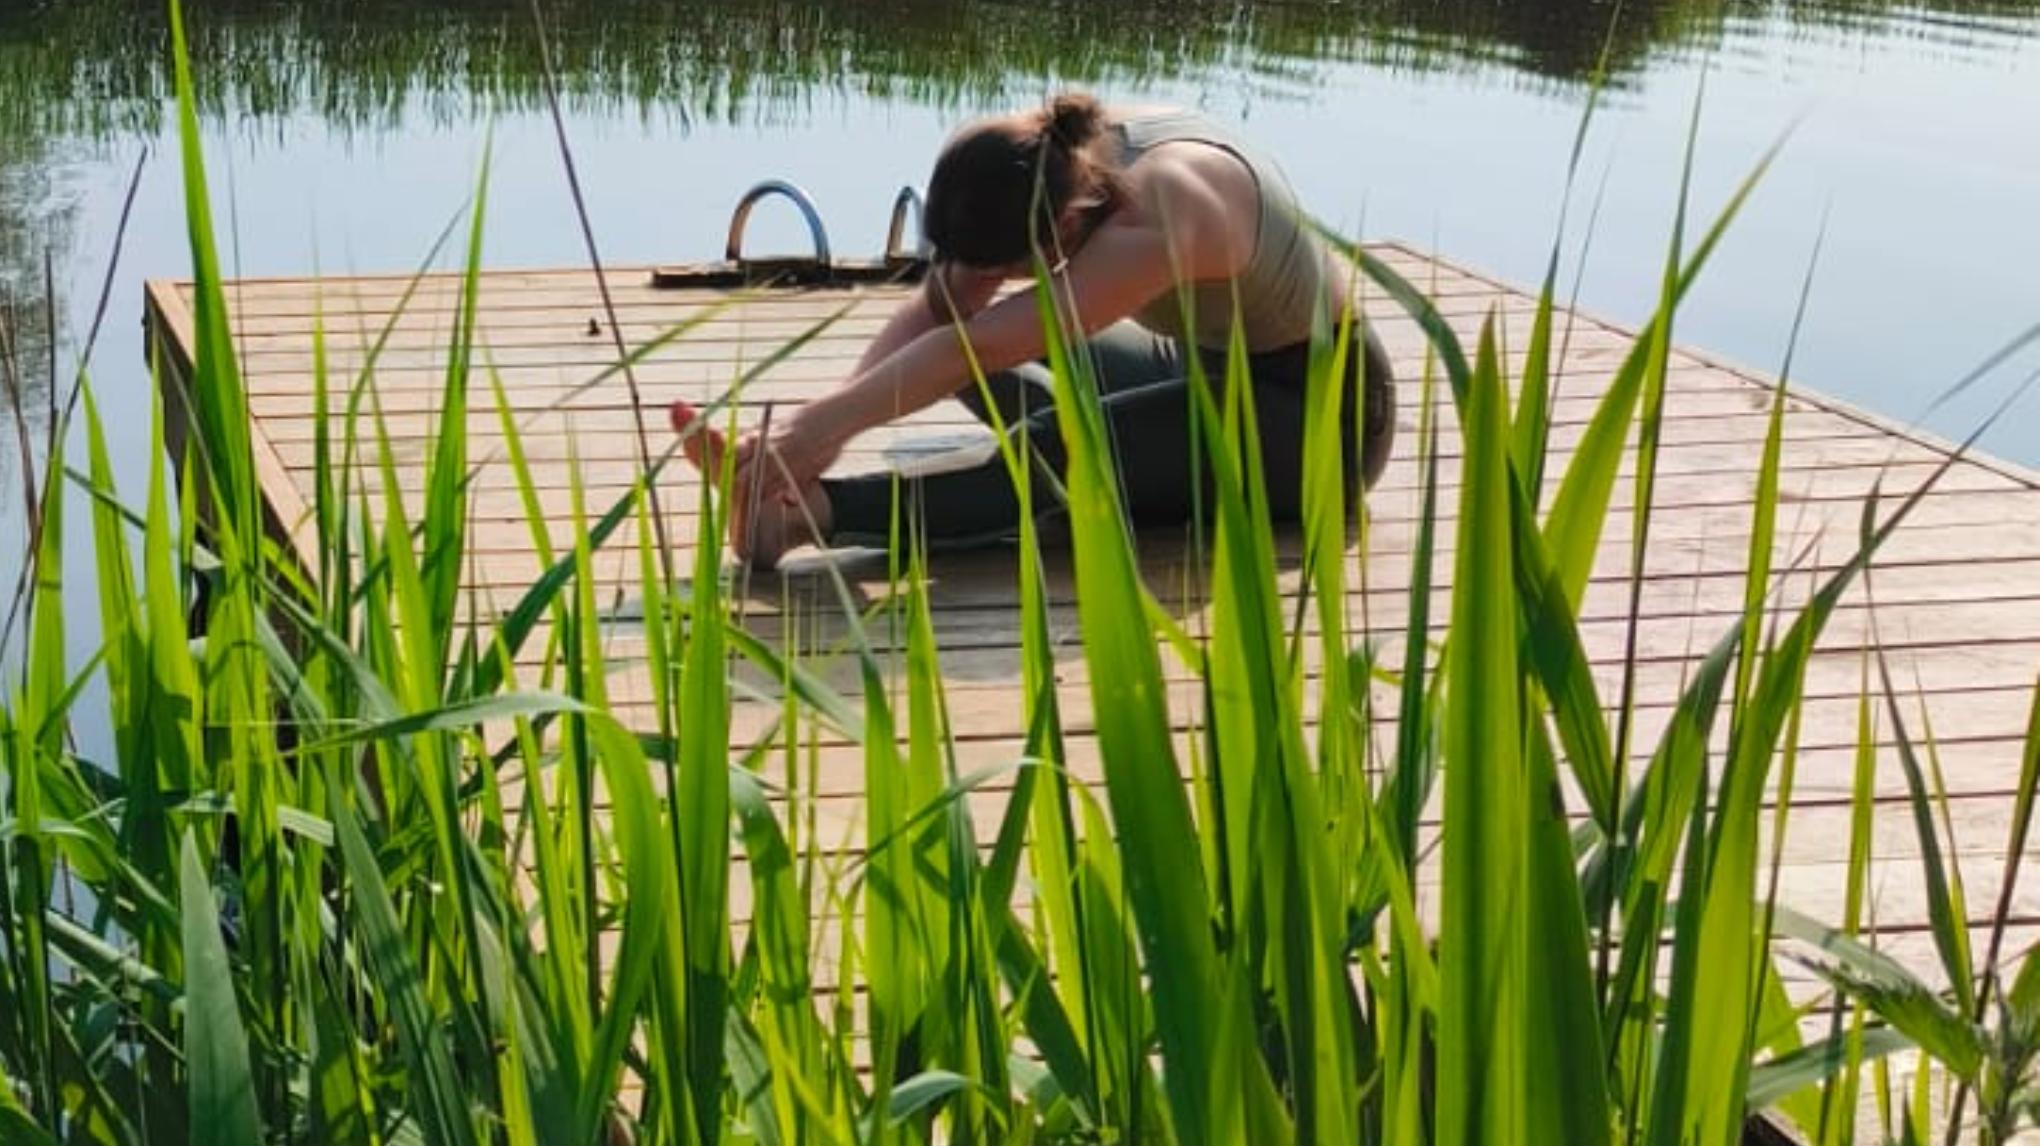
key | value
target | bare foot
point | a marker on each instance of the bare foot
(777, 527)
(703, 447)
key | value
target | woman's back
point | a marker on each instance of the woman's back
(1281, 290)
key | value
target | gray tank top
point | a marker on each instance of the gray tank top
(1280, 291)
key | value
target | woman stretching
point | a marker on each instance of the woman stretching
(1130, 203)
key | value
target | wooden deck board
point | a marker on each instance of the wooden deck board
(1956, 592)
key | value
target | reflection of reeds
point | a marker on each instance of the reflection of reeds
(12, 363)
(35, 225)
(97, 66)
(27, 358)
(368, 866)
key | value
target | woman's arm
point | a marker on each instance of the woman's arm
(1117, 272)
(1185, 231)
(947, 295)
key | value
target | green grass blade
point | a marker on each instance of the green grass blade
(2015, 843)
(703, 831)
(780, 930)
(1274, 825)
(924, 1093)
(650, 953)
(1670, 1101)
(1409, 784)
(520, 469)
(1533, 407)
(1556, 662)
(340, 1110)
(1718, 1015)
(218, 403)
(1407, 1008)
(1481, 1016)
(133, 691)
(1837, 1119)
(1730, 964)
(2022, 1003)
(215, 1043)
(1945, 910)
(1048, 1024)
(417, 659)
(1151, 810)
(897, 972)
(1052, 1014)
(448, 717)
(1777, 1079)
(560, 976)
(1579, 509)
(119, 607)
(1764, 511)
(543, 595)
(1566, 1094)
(329, 475)
(15, 1123)
(1891, 991)
(1116, 1002)
(35, 743)
(176, 705)
(1439, 336)
(438, 1100)
(1774, 698)
(931, 890)
(445, 486)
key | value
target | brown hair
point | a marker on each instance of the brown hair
(1003, 185)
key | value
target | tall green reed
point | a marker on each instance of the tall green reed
(373, 864)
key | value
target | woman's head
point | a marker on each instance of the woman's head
(1002, 185)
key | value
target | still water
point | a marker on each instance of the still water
(344, 136)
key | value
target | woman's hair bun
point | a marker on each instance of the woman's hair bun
(1001, 185)
(1073, 119)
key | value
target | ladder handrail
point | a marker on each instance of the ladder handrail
(896, 231)
(734, 249)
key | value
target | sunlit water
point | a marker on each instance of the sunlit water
(1914, 138)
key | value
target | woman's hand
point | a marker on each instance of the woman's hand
(801, 447)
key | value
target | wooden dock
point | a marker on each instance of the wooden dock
(1956, 591)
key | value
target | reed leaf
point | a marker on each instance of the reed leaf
(439, 1100)
(215, 1041)
(1483, 967)
(1199, 1022)
(1894, 993)
(1945, 907)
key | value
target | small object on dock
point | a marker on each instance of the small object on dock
(594, 328)
(703, 447)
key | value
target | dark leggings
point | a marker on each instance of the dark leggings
(1144, 387)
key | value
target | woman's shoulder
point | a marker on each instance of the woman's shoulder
(1188, 172)
(1203, 199)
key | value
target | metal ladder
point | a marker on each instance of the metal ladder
(900, 263)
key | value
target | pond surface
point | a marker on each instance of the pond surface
(343, 136)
